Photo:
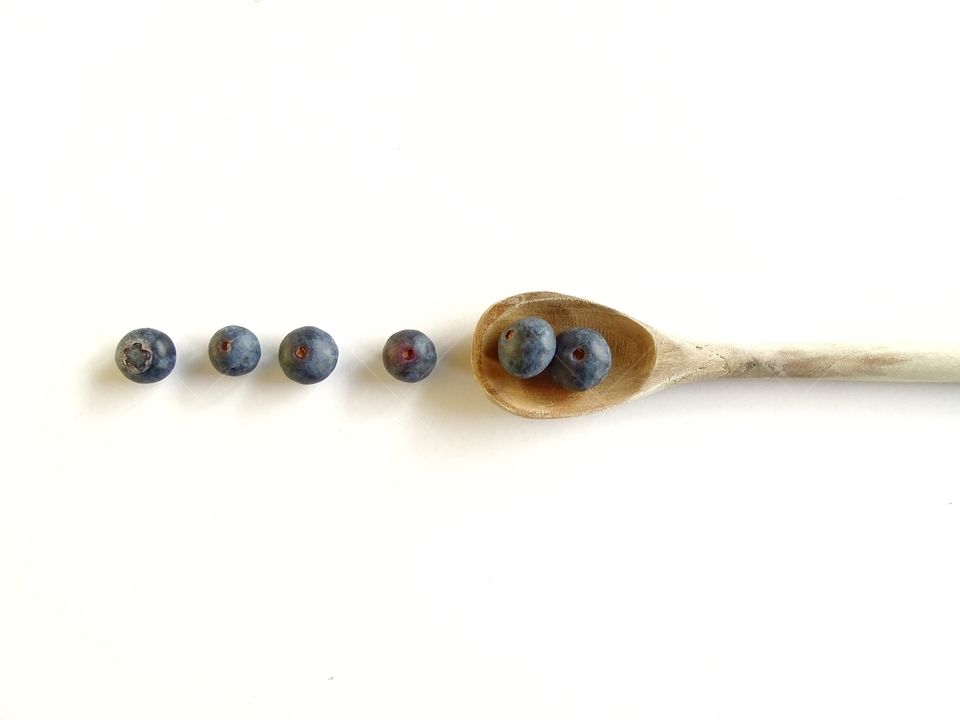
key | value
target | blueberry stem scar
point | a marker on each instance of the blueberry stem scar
(308, 355)
(409, 356)
(137, 358)
(145, 355)
(234, 350)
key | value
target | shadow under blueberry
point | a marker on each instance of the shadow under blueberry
(456, 418)
(109, 390)
(451, 393)
(197, 368)
(268, 373)
(268, 385)
(202, 384)
(448, 401)
(373, 392)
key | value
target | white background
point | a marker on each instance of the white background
(238, 548)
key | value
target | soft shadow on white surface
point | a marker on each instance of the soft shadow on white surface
(793, 395)
(107, 390)
(372, 392)
(197, 383)
(448, 408)
(453, 393)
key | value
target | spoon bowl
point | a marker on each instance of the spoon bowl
(646, 360)
(632, 345)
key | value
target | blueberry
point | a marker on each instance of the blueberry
(527, 347)
(582, 359)
(409, 355)
(234, 350)
(146, 355)
(308, 355)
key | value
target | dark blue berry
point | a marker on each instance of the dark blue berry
(582, 359)
(409, 355)
(527, 347)
(308, 355)
(234, 350)
(146, 355)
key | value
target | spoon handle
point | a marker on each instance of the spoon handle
(841, 362)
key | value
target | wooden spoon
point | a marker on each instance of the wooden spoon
(645, 360)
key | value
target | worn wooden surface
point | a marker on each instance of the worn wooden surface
(645, 360)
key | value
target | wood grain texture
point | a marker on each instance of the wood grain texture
(843, 362)
(645, 360)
